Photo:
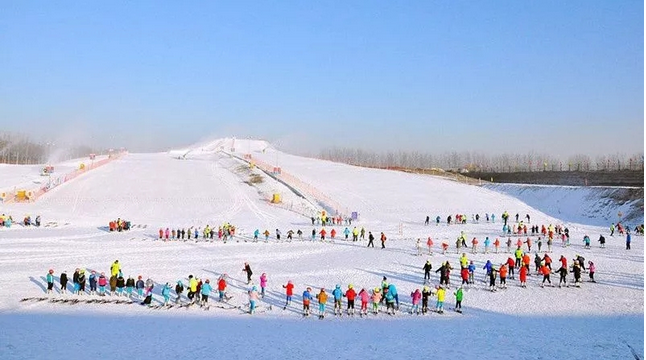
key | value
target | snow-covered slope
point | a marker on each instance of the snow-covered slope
(159, 191)
(592, 205)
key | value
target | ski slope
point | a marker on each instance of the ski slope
(600, 320)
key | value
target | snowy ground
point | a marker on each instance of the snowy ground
(597, 320)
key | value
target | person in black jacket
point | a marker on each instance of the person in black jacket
(63, 280)
(426, 292)
(371, 238)
(247, 269)
(130, 284)
(121, 283)
(81, 282)
(427, 270)
(562, 276)
(75, 280)
(179, 289)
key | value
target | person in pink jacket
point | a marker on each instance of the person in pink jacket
(263, 284)
(591, 269)
(365, 298)
(416, 297)
(167, 234)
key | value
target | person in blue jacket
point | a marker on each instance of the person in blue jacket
(255, 235)
(472, 271)
(390, 302)
(487, 267)
(337, 293)
(487, 242)
(166, 293)
(307, 299)
(393, 290)
(206, 290)
(50, 281)
(346, 232)
(93, 280)
(437, 220)
(627, 241)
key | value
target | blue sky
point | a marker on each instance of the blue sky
(498, 77)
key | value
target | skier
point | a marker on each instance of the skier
(576, 269)
(63, 281)
(546, 274)
(337, 295)
(428, 219)
(166, 293)
(492, 279)
(289, 292)
(418, 246)
(487, 242)
(222, 287)
(612, 229)
(81, 282)
(115, 268)
(206, 291)
(278, 233)
(393, 291)
(437, 220)
(390, 303)
(333, 234)
(426, 292)
(322, 299)
(383, 240)
(355, 234)
(263, 284)
(247, 269)
(429, 243)
(121, 283)
(591, 268)
(523, 276)
(586, 241)
(503, 275)
(371, 238)
(562, 271)
(459, 294)
(50, 281)
(537, 262)
(322, 233)
(299, 233)
(351, 295)
(519, 255)
(253, 298)
(464, 273)
(266, 233)
(510, 267)
(365, 298)
(416, 296)
(539, 242)
(179, 289)
(427, 270)
(307, 298)
(362, 234)
(376, 299)
(256, 233)
(440, 299)
(130, 284)
(93, 280)
(496, 245)
(628, 241)
(103, 282)
(149, 292)
(472, 270)
(139, 285)
(113, 285)
(602, 241)
(509, 245)
(75, 280)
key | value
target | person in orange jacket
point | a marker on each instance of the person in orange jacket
(383, 240)
(546, 274)
(322, 298)
(503, 275)
(526, 260)
(474, 246)
(529, 244)
(496, 244)
(523, 276)
(519, 243)
(333, 234)
(323, 233)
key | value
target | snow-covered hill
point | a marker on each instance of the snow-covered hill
(210, 187)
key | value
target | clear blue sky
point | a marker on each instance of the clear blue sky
(559, 77)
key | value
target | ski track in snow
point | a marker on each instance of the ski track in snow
(597, 320)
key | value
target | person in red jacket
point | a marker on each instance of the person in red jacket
(323, 233)
(289, 292)
(351, 295)
(464, 273)
(333, 234)
(496, 244)
(523, 276)
(222, 287)
(548, 261)
(563, 260)
(503, 275)
(161, 234)
(511, 263)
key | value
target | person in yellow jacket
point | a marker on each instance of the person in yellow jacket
(192, 288)
(464, 261)
(115, 268)
(322, 298)
(441, 293)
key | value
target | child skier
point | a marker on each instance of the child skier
(166, 293)
(121, 283)
(337, 294)
(459, 294)
(365, 298)
(263, 284)
(440, 299)
(307, 299)
(351, 295)
(523, 276)
(63, 281)
(93, 281)
(206, 291)
(376, 299)
(426, 292)
(222, 288)
(179, 289)
(253, 299)
(139, 286)
(289, 292)
(591, 268)
(429, 243)
(247, 269)
(103, 282)
(472, 270)
(416, 296)
(322, 298)
(50, 281)
(130, 285)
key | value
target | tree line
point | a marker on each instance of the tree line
(479, 162)
(20, 149)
